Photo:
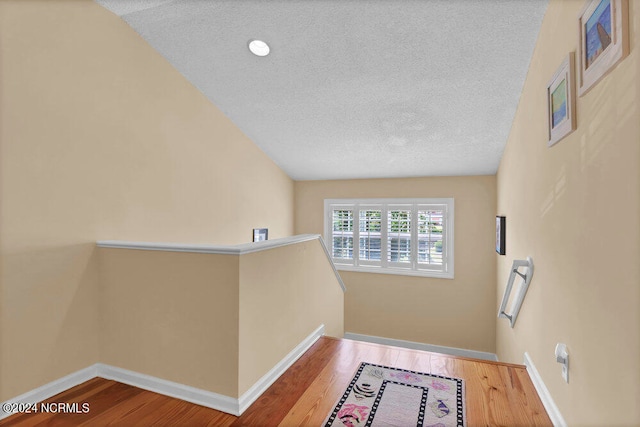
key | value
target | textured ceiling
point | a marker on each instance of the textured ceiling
(355, 89)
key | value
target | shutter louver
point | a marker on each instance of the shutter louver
(396, 236)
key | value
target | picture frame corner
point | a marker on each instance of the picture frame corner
(590, 73)
(501, 230)
(260, 234)
(565, 72)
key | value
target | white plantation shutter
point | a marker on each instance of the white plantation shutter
(370, 235)
(396, 236)
(431, 237)
(342, 233)
(399, 241)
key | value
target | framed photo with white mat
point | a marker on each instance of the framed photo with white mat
(561, 102)
(604, 40)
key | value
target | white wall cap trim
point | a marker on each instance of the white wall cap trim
(244, 248)
(543, 392)
(333, 265)
(453, 351)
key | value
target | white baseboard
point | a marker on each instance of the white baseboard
(198, 396)
(269, 378)
(169, 388)
(543, 392)
(424, 347)
(51, 389)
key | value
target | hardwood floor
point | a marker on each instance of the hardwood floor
(497, 394)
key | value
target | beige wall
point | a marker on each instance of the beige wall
(575, 209)
(455, 313)
(214, 322)
(49, 317)
(171, 315)
(100, 138)
(285, 294)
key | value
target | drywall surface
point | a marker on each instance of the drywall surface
(211, 321)
(171, 315)
(397, 83)
(285, 294)
(575, 209)
(455, 312)
(100, 138)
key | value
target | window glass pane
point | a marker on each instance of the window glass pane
(342, 220)
(342, 235)
(370, 221)
(430, 225)
(370, 249)
(343, 247)
(407, 236)
(399, 243)
(370, 225)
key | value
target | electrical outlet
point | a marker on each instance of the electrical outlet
(562, 356)
(565, 371)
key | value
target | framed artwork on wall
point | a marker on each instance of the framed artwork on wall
(604, 39)
(561, 102)
(501, 233)
(260, 234)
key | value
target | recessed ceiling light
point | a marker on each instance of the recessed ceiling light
(259, 48)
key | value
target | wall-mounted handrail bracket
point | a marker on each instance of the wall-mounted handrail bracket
(524, 276)
(516, 303)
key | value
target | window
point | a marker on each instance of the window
(342, 234)
(393, 236)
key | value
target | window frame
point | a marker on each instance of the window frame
(385, 266)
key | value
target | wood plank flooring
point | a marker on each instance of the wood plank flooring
(497, 394)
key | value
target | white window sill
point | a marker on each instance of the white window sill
(396, 271)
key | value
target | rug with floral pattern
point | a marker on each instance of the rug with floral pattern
(384, 396)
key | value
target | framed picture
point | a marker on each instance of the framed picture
(260, 234)
(604, 39)
(501, 233)
(561, 102)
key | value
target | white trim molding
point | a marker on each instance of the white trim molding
(169, 388)
(245, 248)
(383, 264)
(51, 389)
(543, 392)
(198, 396)
(270, 377)
(397, 272)
(453, 351)
(333, 265)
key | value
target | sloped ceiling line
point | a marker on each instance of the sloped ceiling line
(355, 89)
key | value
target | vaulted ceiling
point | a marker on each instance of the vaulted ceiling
(355, 88)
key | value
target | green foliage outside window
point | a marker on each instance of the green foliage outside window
(400, 221)
(426, 224)
(342, 220)
(371, 221)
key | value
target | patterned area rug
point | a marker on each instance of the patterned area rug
(384, 396)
